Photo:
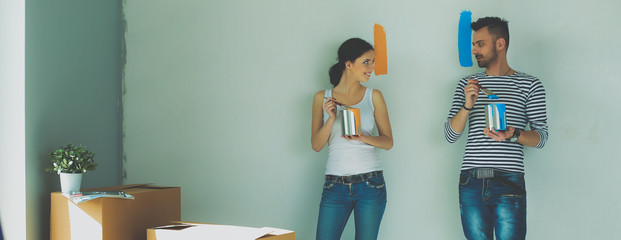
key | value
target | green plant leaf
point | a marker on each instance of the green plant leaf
(71, 159)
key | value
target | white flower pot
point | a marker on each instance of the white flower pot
(70, 182)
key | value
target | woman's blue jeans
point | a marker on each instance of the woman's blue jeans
(366, 199)
(489, 205)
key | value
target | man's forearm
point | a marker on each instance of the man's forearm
(458, 122)
(529, 138)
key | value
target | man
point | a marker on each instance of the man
(492, 194)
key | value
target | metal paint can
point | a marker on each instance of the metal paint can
(351, 121)
(496, 117)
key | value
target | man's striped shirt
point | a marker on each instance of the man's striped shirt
(525, 100)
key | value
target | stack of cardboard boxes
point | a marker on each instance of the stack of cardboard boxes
(155, 212)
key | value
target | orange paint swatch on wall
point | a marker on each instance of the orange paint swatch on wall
(381, 59)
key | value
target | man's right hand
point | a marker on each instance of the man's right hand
(471, 91)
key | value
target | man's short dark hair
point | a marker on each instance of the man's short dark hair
(497, 27)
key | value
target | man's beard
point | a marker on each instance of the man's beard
(485, 63)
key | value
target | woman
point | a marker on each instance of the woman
(354, 177)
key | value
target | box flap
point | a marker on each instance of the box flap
(118, 188)
(174, 227)
(277, 231)
(186, 230)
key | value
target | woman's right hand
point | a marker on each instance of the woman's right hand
(320, 129)
(330, 107)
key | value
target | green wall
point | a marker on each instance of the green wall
(73, 89)
(218, 98)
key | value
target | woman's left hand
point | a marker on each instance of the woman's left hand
(355, 137)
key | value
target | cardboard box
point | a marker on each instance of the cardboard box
(196, 231)
(113, 218)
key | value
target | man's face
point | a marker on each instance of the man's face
(484, 47)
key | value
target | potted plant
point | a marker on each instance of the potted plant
(70, 163)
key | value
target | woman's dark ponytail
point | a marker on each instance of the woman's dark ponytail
(336, 71)
(350, 50)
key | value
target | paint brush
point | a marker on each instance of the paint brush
(487, 92)
(339, 104)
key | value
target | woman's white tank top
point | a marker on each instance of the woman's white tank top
(349, 157)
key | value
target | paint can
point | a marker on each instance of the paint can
(496, 117)
(351, 121)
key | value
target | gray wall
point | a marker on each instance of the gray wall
(73, 87)
(218, 101)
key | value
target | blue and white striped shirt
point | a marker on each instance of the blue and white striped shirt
(525, 100)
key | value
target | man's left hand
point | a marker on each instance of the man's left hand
(499, 135)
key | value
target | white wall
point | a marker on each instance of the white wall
(217, 100)
(12, 124)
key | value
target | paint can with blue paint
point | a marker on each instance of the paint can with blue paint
(496, 116)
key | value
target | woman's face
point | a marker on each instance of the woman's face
(363, 66)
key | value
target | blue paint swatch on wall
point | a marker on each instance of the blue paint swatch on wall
(464, 39)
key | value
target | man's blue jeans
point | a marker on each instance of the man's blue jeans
(366, 199)
(491, 205)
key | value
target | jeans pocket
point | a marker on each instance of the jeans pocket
(464, 179)
(328, 185)
(376, 182)
(515, 182)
